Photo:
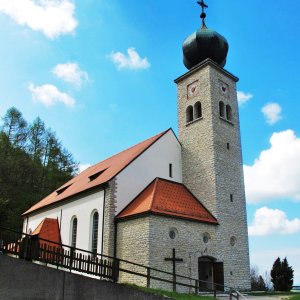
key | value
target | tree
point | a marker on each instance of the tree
(288, 275)
(257, 281)
(282, 275)
(14, 129)
(33, 163)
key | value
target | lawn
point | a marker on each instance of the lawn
(295, 297)
(175, 296)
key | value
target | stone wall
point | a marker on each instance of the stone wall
(108, 220)
(189, 246)
(133, 245)
(146, 240)
(212, 163)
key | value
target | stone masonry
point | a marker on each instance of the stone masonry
(109, 216)
(146, 240)
(133, 245)
(212, 163)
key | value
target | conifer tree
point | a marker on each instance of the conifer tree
(282, 275)
(33, 163)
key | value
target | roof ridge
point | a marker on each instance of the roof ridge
(127, 149)
(185, 204)
(156, 181)
(113, 166)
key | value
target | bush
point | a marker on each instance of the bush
(257, 281)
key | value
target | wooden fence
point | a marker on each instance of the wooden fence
(78, 260)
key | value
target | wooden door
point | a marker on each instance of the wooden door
(218, 271)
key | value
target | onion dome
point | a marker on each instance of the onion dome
(204, 43)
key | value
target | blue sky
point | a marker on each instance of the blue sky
(68, 62)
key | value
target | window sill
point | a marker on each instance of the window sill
(194, 121)
(225, 120)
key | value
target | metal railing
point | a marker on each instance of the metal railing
(72, 259)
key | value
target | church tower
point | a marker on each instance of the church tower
(209, 131)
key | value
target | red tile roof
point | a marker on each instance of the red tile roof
(107, 170)
(48, 229)
(168, 198)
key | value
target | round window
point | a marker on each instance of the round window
(233, 241)
(206, 237)
(173, 233)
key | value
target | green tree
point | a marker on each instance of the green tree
(33, 163)
(14, 128)
(282, 275)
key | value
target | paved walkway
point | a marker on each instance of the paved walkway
(266, 297)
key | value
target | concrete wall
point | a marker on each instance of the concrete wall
(20, 279)
(81, 208)
(154, 162)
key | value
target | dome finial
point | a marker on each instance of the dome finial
(203, 14)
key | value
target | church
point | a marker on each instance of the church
(168, 192)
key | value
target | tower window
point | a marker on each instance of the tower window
(198, 110)
(95, 223)
(73, 232)
(222, 109)
(231, 198)
(228, 146)
(171, 170)
(189, 114)
(228, 113)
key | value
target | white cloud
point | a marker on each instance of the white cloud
(49, 95)
(71, 73)
(131, 61)
(243, 97)
(273, 221)
(272, 113)
(276, 173)
(51, 17)
(83, 167)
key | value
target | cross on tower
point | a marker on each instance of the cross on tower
(203, 14)
(174, 259)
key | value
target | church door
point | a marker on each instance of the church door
(210, 273)
(218, 271)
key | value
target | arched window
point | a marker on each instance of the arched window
(222, 109)
(189, 114)
(228, 113)
(73, 232)
(95, 223)
(198, 110)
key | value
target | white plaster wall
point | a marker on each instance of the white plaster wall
(82, 209)
(154, 162)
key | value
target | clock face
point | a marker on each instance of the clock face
(192, 89)
(224, 88)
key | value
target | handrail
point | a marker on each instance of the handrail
(119, 268)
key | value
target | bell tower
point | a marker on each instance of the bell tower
(209, 131)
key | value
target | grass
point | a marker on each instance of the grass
(292, 295)
(173, 295)
(295, 297)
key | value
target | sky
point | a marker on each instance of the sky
(100, 74)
